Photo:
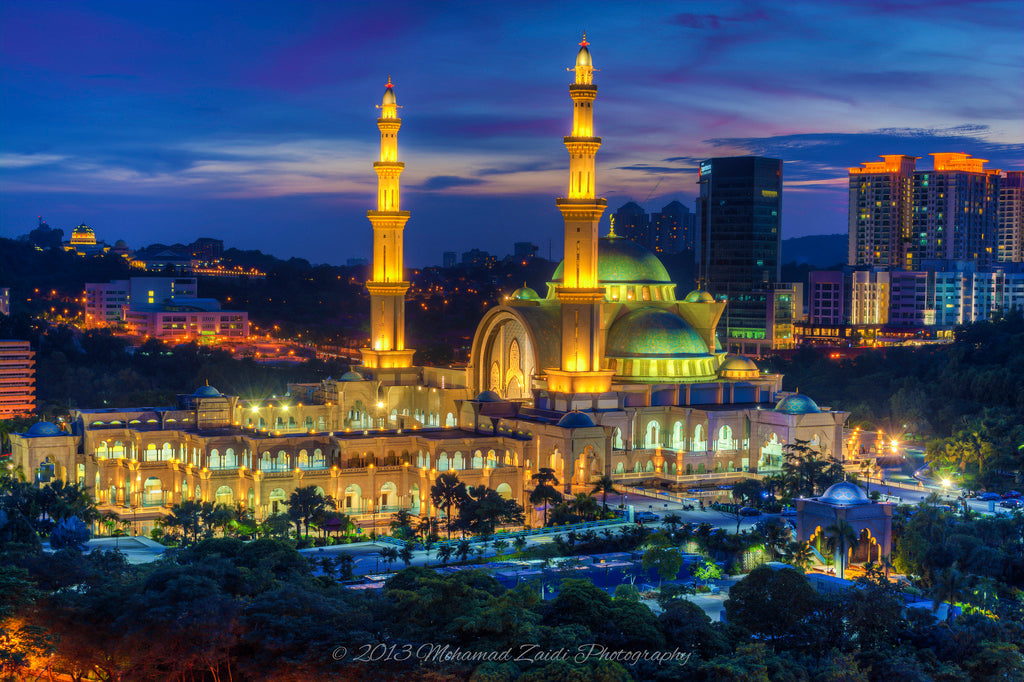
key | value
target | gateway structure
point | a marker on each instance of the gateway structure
(609, 373)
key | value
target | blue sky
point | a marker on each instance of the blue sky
(254, 122)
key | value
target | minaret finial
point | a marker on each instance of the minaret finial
(611, 226)
(389, 84)
(584, 43)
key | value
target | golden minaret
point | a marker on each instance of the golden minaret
(582, 363)
(387, 285)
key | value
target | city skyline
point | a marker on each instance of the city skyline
(164, 123)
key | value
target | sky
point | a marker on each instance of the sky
(255, 122)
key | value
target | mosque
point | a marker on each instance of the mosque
(609, 373)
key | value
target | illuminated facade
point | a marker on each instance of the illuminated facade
(17, 379)
(387, 285)
(607, 374)
(1011, 218)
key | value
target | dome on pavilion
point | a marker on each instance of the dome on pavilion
(575, 420)
(797, 404)
(845, 493)
(45, 429)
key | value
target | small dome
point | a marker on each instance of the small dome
(45, 429)
(206, 392)
(351, 376)
(797, 404)
(845, 492)
(699, 296)
(389, 94)
(82, 230)
(120, 244)
(738, 367)
(653, 333)
(525, 293)
(488, 397)
(575, 420)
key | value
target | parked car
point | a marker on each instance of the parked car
(1011, 504)
(749, 511)
(988, 497)
(1011, 494)
(789, 511)
(647, 517)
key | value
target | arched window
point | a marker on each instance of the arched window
(266, 463)
(617, 439)
(319, 461)
(151, 453)
(224, 495)
(492, 460)
(699, 443)
(457, 462)
(442, 462)
(214, 459)
(651, 440)
(152, 492)
(166, 453)
(388, 497)
(281, 461)
(677, 435)
(278, 501)
(478, 460)
(353, 499)
(725, 441)
(308, 423)
(302, 460)
(230, 461)
(101, 450)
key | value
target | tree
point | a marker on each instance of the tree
(708, 570)
(70, 533)
(799, 554)
(304, 504)
(500, 545)
(663, 557)
(388, 555)
(949, 587)
(604, 485)
(519, 542)
(771, 603)
(584, 506)
(444, 553)
(405, 554)
(401, 524)
(673, 522)
(463, 549)
(748, 491)
(776, 535)
(544, 491)
(447, 492)
(844, 537)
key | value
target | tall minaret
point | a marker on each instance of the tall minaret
(581, 368)
(387, 285)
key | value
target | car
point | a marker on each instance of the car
(647, 517)
(989, 497)
(749, 511)
(1011, 504)
(1011, 494)
(789, 511)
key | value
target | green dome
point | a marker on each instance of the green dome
(525, 293)
(699, 296)
(738, 363)
(797, 404)
(351, 376)
(621, 261)
(653, 333)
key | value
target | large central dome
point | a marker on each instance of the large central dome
(621, 261)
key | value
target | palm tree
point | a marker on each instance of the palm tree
(604, 485)
(584, 506)
(304, 504)
(401, 524)
(444, 553)
(405, 554)
(799, 554)
(845, 537)
(446, 493)
(776, 535)
(388, 555)
(887, 565)
(673, 521)
(463, 550)
(519, 542)
(545, 494)
(500, 545)
(949, 586)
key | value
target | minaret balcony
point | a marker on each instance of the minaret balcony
(583, 90)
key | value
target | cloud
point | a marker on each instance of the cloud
(714, 21)
(657, 170)
(442, 182)
(12, 160)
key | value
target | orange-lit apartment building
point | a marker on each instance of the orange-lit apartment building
(17, 379)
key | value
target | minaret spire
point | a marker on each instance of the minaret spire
(582, 364)
(387, 285)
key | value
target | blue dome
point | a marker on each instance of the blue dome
(351, 376)
(797, 404)
(488, 397)
(844, 492)
(206, 392)
(575, 420)
(45, 429)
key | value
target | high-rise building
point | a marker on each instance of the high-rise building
(1011, 218)
(5, 301)
(17, 379)
(900, 216)
(524, 250)
(739, 213)
(955, 212)
(105, 302)
(672, 229)
(633, 223)
(449, 259)
(880, 211)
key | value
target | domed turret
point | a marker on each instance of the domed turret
(206, 392)
(83, 235)
(488, 397)
(738, 367)
(797, 404)
(845, 493)
(525, 293)
(584, 64)
(699, 296)
(575, 420)
(45, 429)
(351, 376)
